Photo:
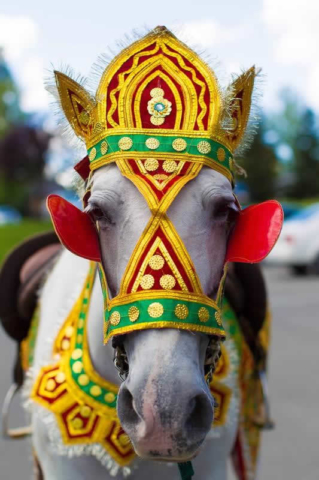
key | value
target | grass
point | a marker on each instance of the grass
(11, 235)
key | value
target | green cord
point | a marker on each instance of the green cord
(186, 470)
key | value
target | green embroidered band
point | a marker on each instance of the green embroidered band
(205, 149)
(163, 313)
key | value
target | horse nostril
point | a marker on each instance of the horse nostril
(200, 415)
(126, 409)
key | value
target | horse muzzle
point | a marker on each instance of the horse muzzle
(166, 427)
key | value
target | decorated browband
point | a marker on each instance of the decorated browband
(159, 114)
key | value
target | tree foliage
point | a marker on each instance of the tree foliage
(261, 165)
(22, 147)
(305, 146)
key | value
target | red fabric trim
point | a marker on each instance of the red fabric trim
(238, 459)
(157, 82)
(83, 168)
(114, 82)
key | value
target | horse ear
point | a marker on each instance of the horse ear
(76, 103)
(256, 233)
(241, 91)
(74, 228)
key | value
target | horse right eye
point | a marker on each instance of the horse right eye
(97, 214)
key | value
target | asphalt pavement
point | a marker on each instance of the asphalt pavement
(290, 452)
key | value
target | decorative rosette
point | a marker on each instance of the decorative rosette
(158, 107)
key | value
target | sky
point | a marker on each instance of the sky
(280, 36)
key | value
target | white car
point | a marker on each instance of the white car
(298, 244)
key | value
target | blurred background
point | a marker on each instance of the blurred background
(283, 163)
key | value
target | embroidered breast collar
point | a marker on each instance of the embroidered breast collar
(84, 404)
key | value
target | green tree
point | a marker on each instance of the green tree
(261, 165)
(305, 145)
(10, 112)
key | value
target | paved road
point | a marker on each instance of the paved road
(291, 451)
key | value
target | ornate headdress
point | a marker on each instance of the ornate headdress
(160, 116)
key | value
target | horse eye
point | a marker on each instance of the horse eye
(225, 213)
(96, 213)
(232, 215)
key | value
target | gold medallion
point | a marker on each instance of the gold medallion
(60, 377)
(157, 92)
(221, 154)
(167, 282)
(179, 144)
(50, 385)
(218, 318)
(69, 331)
(125, 143)
(152, 143)
(147, 281)
(84, 118)
(181, 311)
(77, 367)
(169, 166)
(95, 390)
(133, 313)
(204, 147)
(104, 147)
(124, 440)
(85, 411)
(77, 423)
(109, 397)
(155, 310)
(77, 353)
(65, 344)
(83, 380)
(157, 120)
(98, 128)
(151, 164)
(203, 314)
(156, 262)
(115, 318)
(92, 154)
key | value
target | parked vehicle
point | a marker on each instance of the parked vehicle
(9, 215)
(291, 209)
(298, 244)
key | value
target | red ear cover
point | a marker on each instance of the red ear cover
(74, 228)
(256, 232)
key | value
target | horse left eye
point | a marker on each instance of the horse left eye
(226, 213)
(96, 213)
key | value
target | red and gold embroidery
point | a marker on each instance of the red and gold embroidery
(83, 403)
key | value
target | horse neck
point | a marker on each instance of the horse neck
(101, 355)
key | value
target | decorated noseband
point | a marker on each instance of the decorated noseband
(159, 115)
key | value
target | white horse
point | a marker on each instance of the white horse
(164, 404)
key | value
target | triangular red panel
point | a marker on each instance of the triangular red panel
(165, 270)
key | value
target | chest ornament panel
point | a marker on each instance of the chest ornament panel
(84, 404)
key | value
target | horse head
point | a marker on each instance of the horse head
(164, 403)
(162, 221)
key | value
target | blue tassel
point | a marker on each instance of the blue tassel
(186, 470)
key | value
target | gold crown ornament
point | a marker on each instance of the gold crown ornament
(160, 115)
(158, 97)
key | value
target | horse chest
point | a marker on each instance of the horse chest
(80, 406)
